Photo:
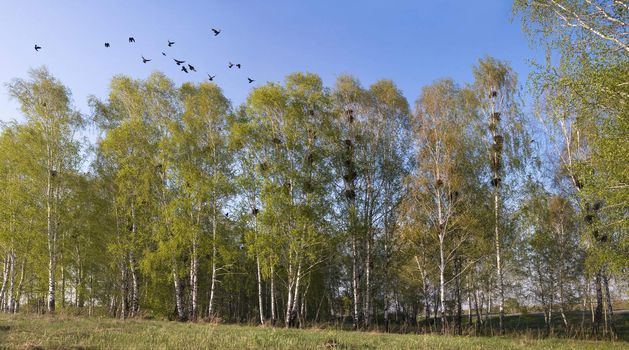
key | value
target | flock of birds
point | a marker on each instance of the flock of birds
(181, 63)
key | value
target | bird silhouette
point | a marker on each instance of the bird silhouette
(191, 67)
(250, 80)
(231, 64)
(179, 62)
(106, 44)
(216, 31)
(211, 77)
(183, 69)
(238, 65)
(37, 47)
(131, 39)
(163, 53)
(144, 60)
(170, 43)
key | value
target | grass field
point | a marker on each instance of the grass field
(65, 332)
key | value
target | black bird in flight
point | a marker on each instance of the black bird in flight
(191, 67)
(37, 47)
(163, 53)
(211, 77)
(170, 43)
(131, 39)
(250, 80)
(179, 62)
(231, 64)
(183, 69)
(216, 31)
(144, 60)
(106, 44)
(238, 65)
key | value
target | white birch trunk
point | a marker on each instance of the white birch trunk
(213, 283)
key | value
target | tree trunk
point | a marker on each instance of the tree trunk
(52, 232)
(178, 296)
(367, 309)
(135, 286)
(19, 288)
(63, 278)
(598, 313)
(457, 294)
(289, 297)
(355, 284)
(194, 284)
(11, 300)
(260, 301)
(477, 308)
(124, 291)
(213, 278)
(442, 288)
(294, 313)
(5, 279)
(501, 295)
(610, 307)
(273, 312)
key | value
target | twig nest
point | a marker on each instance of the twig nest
(438, 183)
(277, 140)
(493, 94)
(350, 115)
(495, 182)
(597, 205)
(350, 194)
(255, 211)
(53, 173)
(599, 237)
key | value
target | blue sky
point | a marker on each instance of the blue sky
(410, 42)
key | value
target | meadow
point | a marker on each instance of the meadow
(72, 332)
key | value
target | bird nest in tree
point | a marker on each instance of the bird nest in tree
(349, 177)
(496, 181)
(454, 195)
(310, 157)
(277, 140)
(255, 211)
(53, 173)
(350, 115)
(438, 183)
(308, 187)
(348, 143)
(263, 166)
(494, 120)
(493, 94)
(350, 194)
(498, 143)
(599, 237)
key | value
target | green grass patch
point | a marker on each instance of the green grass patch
(67, 332)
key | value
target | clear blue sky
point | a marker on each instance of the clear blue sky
(410, 42)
